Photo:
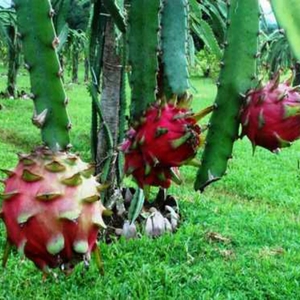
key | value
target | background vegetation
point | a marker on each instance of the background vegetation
(238, 240)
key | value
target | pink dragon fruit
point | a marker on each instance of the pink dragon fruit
(271, 115)
(166, 138)
(51, 209)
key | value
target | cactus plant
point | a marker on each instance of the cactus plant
(235, 80)
(51, 206)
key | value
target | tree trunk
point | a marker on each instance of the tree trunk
(110, 104)
(75, 63)
(13, 63)
(86, 69)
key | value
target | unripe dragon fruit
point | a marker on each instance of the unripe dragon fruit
(52, 209)
(166, 137)
(271, 115)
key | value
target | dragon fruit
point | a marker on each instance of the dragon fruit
(271, 115)
(51, 209)
(166, 138)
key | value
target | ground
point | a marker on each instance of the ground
(237, 240)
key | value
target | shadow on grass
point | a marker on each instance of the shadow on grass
(17, 139)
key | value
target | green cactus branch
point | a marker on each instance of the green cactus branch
(39, 40)
(239, 68)
(205, 32)
(287, 13)
(174, 45)
(143, 50)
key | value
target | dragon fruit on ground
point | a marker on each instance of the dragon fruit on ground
(166, 137)
(51, 209)
(271, 115)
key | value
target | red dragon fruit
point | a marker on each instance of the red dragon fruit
(167, 137)
(51, 209)
(271, 115)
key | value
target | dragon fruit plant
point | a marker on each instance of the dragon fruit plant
(164, 133)
(51, 206)
(271, 115)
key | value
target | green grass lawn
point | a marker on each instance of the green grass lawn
(255, 208)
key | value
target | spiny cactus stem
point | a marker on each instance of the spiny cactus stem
(39, 41)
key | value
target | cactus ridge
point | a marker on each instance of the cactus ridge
(143, 43)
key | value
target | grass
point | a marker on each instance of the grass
(238, 240)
